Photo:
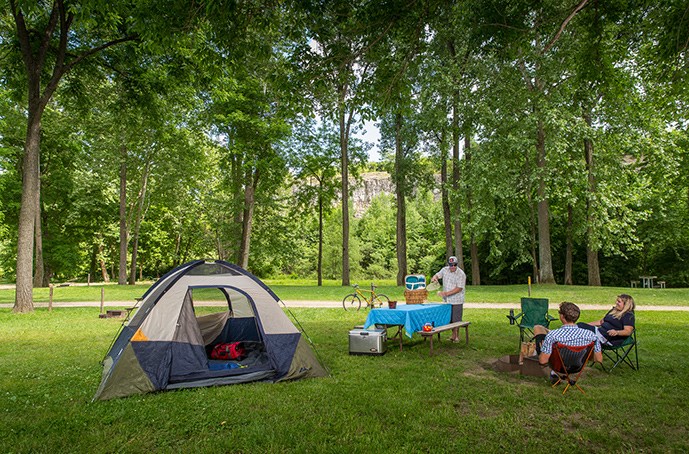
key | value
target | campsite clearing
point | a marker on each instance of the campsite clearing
(49, 375)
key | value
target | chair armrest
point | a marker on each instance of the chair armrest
(513, 318)
(629, 340)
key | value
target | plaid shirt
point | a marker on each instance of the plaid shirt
(570, 335)
(451, 281)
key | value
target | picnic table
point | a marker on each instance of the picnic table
(409, 318)
(647, 281)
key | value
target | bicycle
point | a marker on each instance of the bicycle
(353, 300)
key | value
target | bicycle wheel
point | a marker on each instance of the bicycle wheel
(351, 302)
(380, 300)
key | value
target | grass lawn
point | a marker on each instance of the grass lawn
(400, 402)
(290, 290)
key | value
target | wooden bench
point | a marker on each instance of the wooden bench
(114, 314)
(439, 329)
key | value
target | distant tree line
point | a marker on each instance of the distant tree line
(137, 136)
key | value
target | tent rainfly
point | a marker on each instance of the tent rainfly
(166, 346)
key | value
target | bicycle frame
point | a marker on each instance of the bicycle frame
(372, 294)
(371, 297)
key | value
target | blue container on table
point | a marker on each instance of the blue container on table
(415, 282)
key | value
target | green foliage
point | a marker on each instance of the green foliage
(332, 247)
(227, 101)
(425, 247)
(376, 232)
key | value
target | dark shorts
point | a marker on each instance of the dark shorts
(603, 334)
(457, 311)
(583, 325)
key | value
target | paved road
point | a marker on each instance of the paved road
(338, 304)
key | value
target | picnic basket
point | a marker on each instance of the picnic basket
(416, 296)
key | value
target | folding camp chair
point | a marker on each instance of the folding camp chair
(534, 312)
(620, 353)
(568, 363)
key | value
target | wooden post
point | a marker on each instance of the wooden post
(102, 299)
(529, 286)
(88, 280)
(50, 298)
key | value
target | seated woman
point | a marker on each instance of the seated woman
(618, 323)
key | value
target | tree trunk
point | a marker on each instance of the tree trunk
(591, 249)
(319, 266)
(456, 197)
(34, 54)
(344, 159)
(544, 251)
(459, 248)
(593, 267)
(95, 247)
(532, 223)
(39, 48)
(101, 261)
(475, 266)
(122, 272)
(185, 254)
(444, 197)
(249, 203)
(39, 270)
(178, 248)
(220, 249)
(568, 250)
(27, 213)
(137, 222)
(238, 197)
(135, 250)
(400, 191)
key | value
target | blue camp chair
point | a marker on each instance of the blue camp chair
(621, 353)
(534, 312)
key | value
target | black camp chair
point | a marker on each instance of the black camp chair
(568, 363)
(534, 312)
(621, 353)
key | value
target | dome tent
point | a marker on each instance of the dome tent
(165, 346)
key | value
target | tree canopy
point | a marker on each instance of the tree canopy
(548, 139)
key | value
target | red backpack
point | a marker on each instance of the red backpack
(233, 350)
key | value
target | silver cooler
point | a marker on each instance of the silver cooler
(367, 342)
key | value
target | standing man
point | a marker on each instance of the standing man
(454, 281)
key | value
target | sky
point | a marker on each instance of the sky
(373, 136)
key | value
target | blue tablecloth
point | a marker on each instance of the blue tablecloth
(411, 316)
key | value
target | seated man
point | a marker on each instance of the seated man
(569, 334)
